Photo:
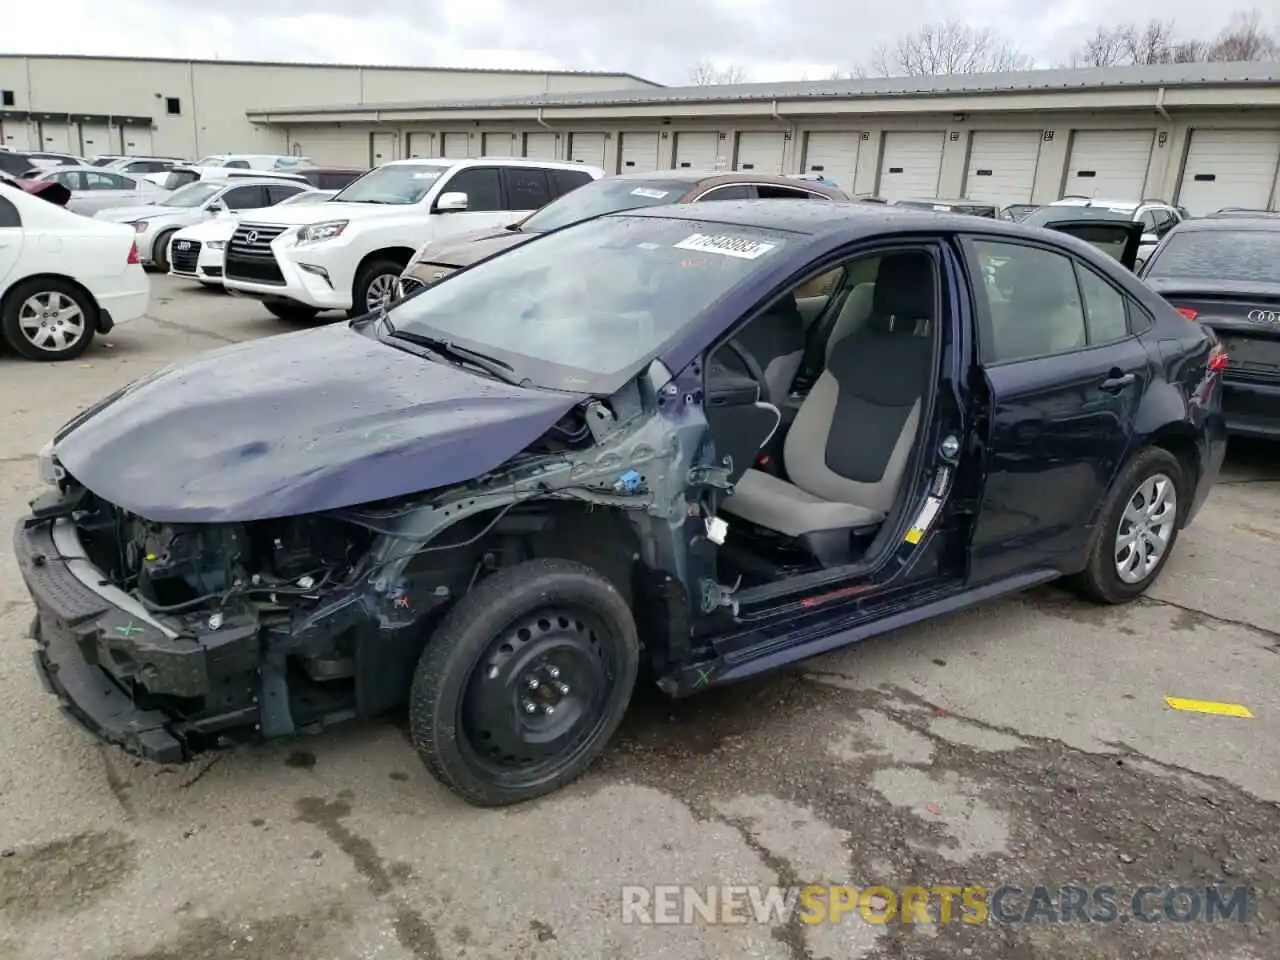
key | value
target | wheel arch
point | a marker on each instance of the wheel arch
(1179, 439)
(61, 278)
(165, 234)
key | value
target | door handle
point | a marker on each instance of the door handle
(1116, 384)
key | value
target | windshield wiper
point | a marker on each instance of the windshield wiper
(459, 354)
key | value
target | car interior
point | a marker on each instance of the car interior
(818, 403)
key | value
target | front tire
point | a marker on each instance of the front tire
(50, 320)
(160, 251)
(293, 312)
(1137, 529)
(375, 286)
(524, 682)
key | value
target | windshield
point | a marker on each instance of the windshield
(400, 183)
(574, 309)
(1048, 215)
(307, 196)
(603, 196)
(192, 195)
(1242, 256)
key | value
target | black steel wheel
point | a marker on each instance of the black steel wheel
(524, 682)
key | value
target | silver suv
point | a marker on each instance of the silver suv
(1156, 216)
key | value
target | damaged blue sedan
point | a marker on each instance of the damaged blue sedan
(689, 444)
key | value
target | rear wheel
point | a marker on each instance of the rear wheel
(293, 312)
(524, 682)
(160, 251)
(375, 286)
(1137, 529)
(48, 319)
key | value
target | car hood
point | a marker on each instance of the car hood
(215, 228)
(464, 249)
(298, 423)
(304, 214)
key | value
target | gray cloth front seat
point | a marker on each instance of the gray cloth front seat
(872, 391)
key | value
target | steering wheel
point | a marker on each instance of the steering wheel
(754, 370)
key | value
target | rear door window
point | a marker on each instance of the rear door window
(527, 188)
(245, 198)
(276, 193)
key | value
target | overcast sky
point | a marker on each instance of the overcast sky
(657, 39)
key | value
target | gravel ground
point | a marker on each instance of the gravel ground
(1025, 743)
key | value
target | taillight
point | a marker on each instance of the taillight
(133, 254)
(1217, 359)
(1188, 312)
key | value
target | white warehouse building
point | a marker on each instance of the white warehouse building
(1202, 135)
(192, 108)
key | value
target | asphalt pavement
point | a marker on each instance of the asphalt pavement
(1025, 744)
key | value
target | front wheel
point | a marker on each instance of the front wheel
(48, 319)
(375, 287)
(160, 251)
(524, 682)
(293, 312)
(1137, 529)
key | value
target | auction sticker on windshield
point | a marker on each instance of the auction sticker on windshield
(739, 247)
(649, 193)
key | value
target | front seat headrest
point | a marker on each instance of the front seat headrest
(904, 290)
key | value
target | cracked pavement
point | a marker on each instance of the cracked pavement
(1024, 743)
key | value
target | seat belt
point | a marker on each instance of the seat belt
(814, 358)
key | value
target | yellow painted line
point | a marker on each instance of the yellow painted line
(1209, 706)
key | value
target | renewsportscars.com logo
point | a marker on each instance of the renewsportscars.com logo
(940, 903)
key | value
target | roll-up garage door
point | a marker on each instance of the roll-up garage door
(55, 136)
(1108, 164)
(697, 151)
(95, 140)
(1002, 166)
(455, 145)
(419, 144)
(911, 165)
(587, 148)
(760, 152)
(137, 141)
(638, 152)
(1230, 168)
(834, 156)
(541, 146)
(16, 135)
(499, 145)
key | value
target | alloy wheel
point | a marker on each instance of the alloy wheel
(382, 290)
(1146, 528)
(51, 321)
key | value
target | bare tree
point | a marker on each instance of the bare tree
(706, 74)
(949, 47)
(1106, 48)
(1244, 39)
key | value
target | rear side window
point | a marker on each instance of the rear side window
(9, 216)
(1033, 300)
(237, 164)
(244, 198)
(527, 189)
(180, 178)
(732, 191)
(766, 192)
(333, 180)
(282, 192)
(1104, 309)
(562, 181)
(1246, 256)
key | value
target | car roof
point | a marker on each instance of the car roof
(807, 217)
(1095, 202)
(718, 177)
(489, 162)
(950, 203)
(71, 168)
(251, 181)
(1234, 224)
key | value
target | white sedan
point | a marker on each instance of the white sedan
(63, 277)
(197, 252)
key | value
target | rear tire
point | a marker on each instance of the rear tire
(48, 320)
(375, 283)
(160, 251)
(521, 686)
(1153, 477)
(293, 312)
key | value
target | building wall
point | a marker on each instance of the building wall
(349, 142)
(213, 97)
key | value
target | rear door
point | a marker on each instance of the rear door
(1116, 238)
(11, 237)
(1065, 371)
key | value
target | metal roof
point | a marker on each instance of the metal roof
(314, 64)
(1024, 81)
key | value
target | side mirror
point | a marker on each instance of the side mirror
(452, 202)
(214, 209)
(1150, 238)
